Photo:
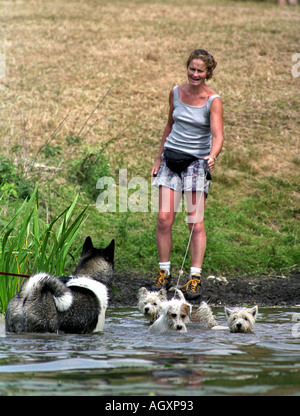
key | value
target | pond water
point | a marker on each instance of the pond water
(127, 360)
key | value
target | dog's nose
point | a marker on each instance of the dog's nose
(146, 310)
(239, 325)
(179, 327)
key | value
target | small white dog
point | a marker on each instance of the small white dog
(150, 303)
(238, 319)
(174, 315)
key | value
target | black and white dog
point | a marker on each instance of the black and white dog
(75, 304)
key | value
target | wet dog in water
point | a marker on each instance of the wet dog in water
(75, 304)
(238, 319)
(149, 303)
(174, 315)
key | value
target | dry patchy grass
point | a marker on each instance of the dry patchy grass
(63, 55)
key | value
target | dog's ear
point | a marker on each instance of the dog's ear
(178, 294)
(109, 251)
(87, 245)
(187, 309)
(143, 291)
(254, 311)
(228, 311)
(162, 294)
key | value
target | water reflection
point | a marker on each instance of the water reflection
(126, 359)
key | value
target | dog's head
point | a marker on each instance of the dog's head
(241, 319)
(177, 313)
(150, 302)
(96, 263)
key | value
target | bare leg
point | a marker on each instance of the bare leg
(168, 204)
(195, 208)
(198, 245)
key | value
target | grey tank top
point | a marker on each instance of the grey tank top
(191, 129)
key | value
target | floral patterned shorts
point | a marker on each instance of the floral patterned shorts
(191, 179)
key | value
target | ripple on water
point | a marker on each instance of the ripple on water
(127, 359)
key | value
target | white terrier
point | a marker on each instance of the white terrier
(238, 319)
(174, 315)
(150, 303)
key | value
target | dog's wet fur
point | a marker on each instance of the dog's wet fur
(150, 303)
(174, 314)
(240, 320)
(74, 304)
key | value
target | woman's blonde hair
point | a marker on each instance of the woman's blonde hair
(206, 57)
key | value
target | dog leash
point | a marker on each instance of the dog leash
(14, 274)
(189, 242)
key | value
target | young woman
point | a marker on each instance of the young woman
(191, 142)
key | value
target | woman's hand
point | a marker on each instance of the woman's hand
(156, 167)
(210, 161)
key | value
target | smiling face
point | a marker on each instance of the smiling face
(197, 72)
(206, 58)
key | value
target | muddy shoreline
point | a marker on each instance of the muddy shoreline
(231, 291)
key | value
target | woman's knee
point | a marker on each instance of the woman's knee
(165, 220)
(198, 227)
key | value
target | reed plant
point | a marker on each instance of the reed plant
(29, 244)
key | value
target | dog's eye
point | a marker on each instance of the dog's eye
(182, 316)
(246, 319)
(154, 304)
(173, 315)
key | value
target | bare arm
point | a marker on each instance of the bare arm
(216, 126)
(166, 133)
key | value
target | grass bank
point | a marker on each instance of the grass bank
(86, 93)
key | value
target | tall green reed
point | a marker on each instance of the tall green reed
(29, 245)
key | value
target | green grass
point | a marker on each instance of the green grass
(253, 234)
